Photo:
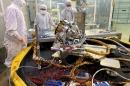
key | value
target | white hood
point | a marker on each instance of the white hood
(19, 3)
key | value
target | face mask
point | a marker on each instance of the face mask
(68, 8)
(43, 12)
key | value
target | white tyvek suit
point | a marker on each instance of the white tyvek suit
(15, 29)
(44, 20)
(68, 13)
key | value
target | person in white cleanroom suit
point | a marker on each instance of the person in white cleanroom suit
(16, 32)
(43, 20)
(68, 13)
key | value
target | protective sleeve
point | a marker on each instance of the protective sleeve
(36, 19)
(74, 10)
(11, 24)
(51, 21)
(74, 14)
(62, 16)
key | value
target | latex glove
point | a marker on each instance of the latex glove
(24, 41)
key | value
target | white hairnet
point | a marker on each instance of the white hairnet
(20, 3)
(43, 6)
(68, 3)
(43, 9)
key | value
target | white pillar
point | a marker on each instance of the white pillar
(36, 6)
(50, 4)
(110, 17)
(2, 6)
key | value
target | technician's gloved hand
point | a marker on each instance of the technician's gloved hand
(24, 41)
